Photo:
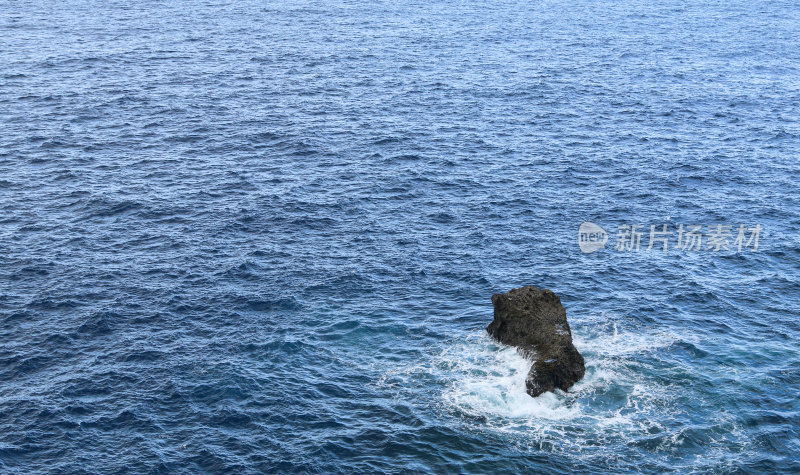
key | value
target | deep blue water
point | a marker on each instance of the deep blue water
(262, 236)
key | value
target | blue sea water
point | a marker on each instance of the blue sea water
(262, 236)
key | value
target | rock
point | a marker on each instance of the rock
(535, 322)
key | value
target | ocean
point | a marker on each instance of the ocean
(262, 236)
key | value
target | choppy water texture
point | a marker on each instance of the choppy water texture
(262, 236)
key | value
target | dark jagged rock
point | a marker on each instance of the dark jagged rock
(535, 322)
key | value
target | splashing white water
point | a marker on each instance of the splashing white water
(632, 398)
(487, 379)
(484, 378)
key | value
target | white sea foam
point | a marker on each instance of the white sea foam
(483, 378)
(491, 380)
(628, 399)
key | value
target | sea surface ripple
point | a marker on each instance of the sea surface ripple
(261, 236)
